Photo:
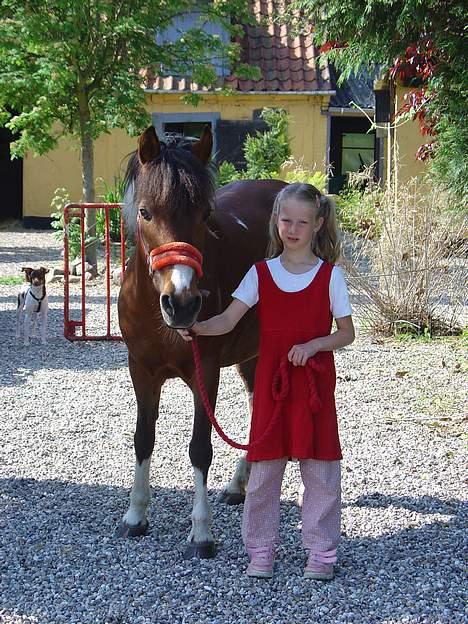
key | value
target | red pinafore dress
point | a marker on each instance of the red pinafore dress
(301, 401)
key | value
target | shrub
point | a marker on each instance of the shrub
(227, 173)
(412, 277)
(358, 205)
(295, 171)
(109, 195)
(357, 212)
(268, 155)
(264, 153)
(59, 200)
(267, 151)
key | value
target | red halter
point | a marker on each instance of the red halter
(171, 254)
(176, 253)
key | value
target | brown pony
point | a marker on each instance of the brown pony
(170, 197)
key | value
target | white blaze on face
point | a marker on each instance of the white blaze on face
(181, 278)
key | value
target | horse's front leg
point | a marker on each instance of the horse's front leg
(234, 492)
(200, 540)
(147, 391)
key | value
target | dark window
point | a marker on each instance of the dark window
(230, 138)
(185, 128)
(357, 151)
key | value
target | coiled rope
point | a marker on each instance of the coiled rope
(280, 390)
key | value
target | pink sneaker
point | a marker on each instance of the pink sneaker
(261, 561)
(319, 566)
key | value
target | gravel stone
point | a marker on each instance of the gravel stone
(67, 416)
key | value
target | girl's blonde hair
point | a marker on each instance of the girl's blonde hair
(325, 244)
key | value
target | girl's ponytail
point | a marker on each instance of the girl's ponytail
(327, 244)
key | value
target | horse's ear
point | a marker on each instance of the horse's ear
(202, 148)
(148, 146)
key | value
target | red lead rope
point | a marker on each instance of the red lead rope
(280, 390)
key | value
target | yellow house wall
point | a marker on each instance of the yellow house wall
(308, 135)
(408, 139)
(62, 167)
(307, 127)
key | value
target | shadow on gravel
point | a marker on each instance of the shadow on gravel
(20, 362)
(29, 256)
(74, 300)
(60, 562)
(59, 354)
(423, 504)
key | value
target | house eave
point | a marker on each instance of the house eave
(297, 93)
(350, 112)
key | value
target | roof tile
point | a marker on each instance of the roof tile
(295, 64)
(285, 63)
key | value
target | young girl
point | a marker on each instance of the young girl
(299, 292)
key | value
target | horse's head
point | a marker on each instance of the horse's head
(173, 197)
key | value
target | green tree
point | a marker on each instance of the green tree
(421, 42)
(74, 67)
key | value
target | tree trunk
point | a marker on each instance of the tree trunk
(87, 169)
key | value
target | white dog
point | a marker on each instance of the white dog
(32, 304)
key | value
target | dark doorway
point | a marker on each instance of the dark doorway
(352, 147)
(11, 179)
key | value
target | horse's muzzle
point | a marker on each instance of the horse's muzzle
(180, 314)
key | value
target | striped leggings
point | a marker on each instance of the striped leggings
(321, 506)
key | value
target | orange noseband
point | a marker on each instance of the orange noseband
(176, 253)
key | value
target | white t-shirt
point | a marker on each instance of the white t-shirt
(247, 291)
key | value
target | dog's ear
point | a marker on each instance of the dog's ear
(28, 271)
(44, 270)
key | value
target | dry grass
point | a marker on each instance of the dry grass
(413, 277)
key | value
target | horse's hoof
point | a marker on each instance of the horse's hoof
(231, 498)
(128, 530)
(200, 550)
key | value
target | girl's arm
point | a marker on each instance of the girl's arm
(343, 336)
(219, 324)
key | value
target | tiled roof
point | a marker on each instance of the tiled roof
(287, 64)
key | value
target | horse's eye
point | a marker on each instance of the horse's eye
(145, 214)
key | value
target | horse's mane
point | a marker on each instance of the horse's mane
(178, 184)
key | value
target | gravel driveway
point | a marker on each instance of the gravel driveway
(66, 466)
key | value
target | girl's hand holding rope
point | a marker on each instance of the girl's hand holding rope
(188, 334)
(299, 354)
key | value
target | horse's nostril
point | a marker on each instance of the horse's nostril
(166, 303)
(196, 304)
(180, 312)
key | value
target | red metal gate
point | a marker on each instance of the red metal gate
(70, 326)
